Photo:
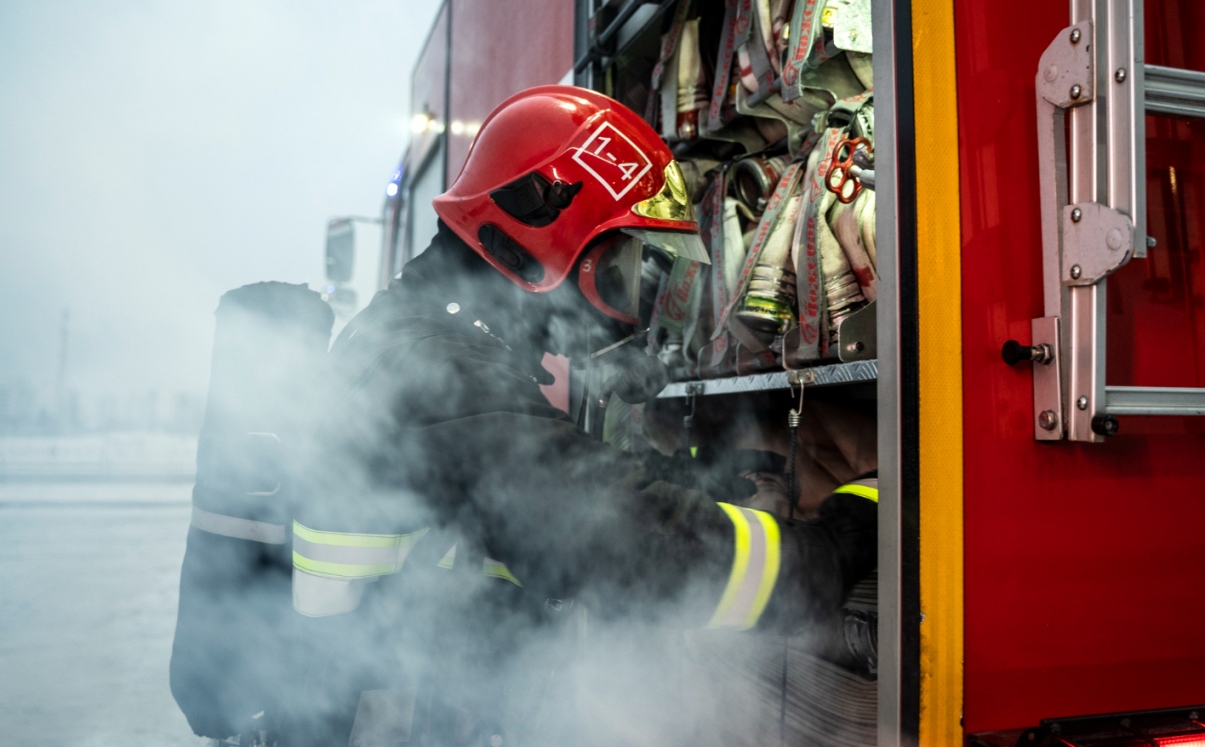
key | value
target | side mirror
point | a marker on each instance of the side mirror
(340, 250)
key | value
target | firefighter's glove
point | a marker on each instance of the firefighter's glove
(853, 523)
(722, 474)
(822, 560)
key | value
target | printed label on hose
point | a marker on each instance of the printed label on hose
(805, 38)
(713, 216)
(757, 72)
(729, 41)
(812, 301)
(680, 299)
(655, 318)
(786, 185)
(669, 44)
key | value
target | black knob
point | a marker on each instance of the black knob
(1105, 425)
(1014, 352)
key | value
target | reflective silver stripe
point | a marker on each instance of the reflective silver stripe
(747, 592)
(756, 557)
(319, 596)
(348, 555)
(244, 529)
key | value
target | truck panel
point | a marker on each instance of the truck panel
(1082, 560)
(500, 48)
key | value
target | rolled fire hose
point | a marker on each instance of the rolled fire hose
(844, 223)
(663, 88)
(754, 180)
(754, 56)
(840, 284)
(692, 83)
(866, 218)
(768, 223)
(734, 248)
(769, 303)
(696, 173)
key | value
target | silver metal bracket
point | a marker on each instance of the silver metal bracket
(1065, 72)
(1096, 241)
(1047, 383)
(856, 339)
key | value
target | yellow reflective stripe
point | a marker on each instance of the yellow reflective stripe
(740, 563)
(498, 569)
(489, 567)
(865, 491)
(347, 555)
(755, 564)
(342, 570)
(347, 539)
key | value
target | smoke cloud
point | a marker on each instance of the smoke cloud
(157, 154)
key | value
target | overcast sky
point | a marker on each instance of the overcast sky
(156, 153)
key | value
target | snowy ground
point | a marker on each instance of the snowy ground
(88, 577)
(99, 456)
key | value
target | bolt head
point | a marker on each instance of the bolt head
(1075, 36)
(1120, 75)
(1082, 402)
(1048, 419)
(1076, 271)
(1076, 215)
(1076, 91)
(1051, 73)
(1150, 242)
(1114, 239)
(453, 308)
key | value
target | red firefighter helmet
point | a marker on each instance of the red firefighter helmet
(552, 169)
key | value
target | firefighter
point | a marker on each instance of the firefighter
(449, 507)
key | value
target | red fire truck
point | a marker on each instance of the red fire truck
(1034, 347)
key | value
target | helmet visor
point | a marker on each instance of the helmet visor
(621, 275)
(674, 244)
